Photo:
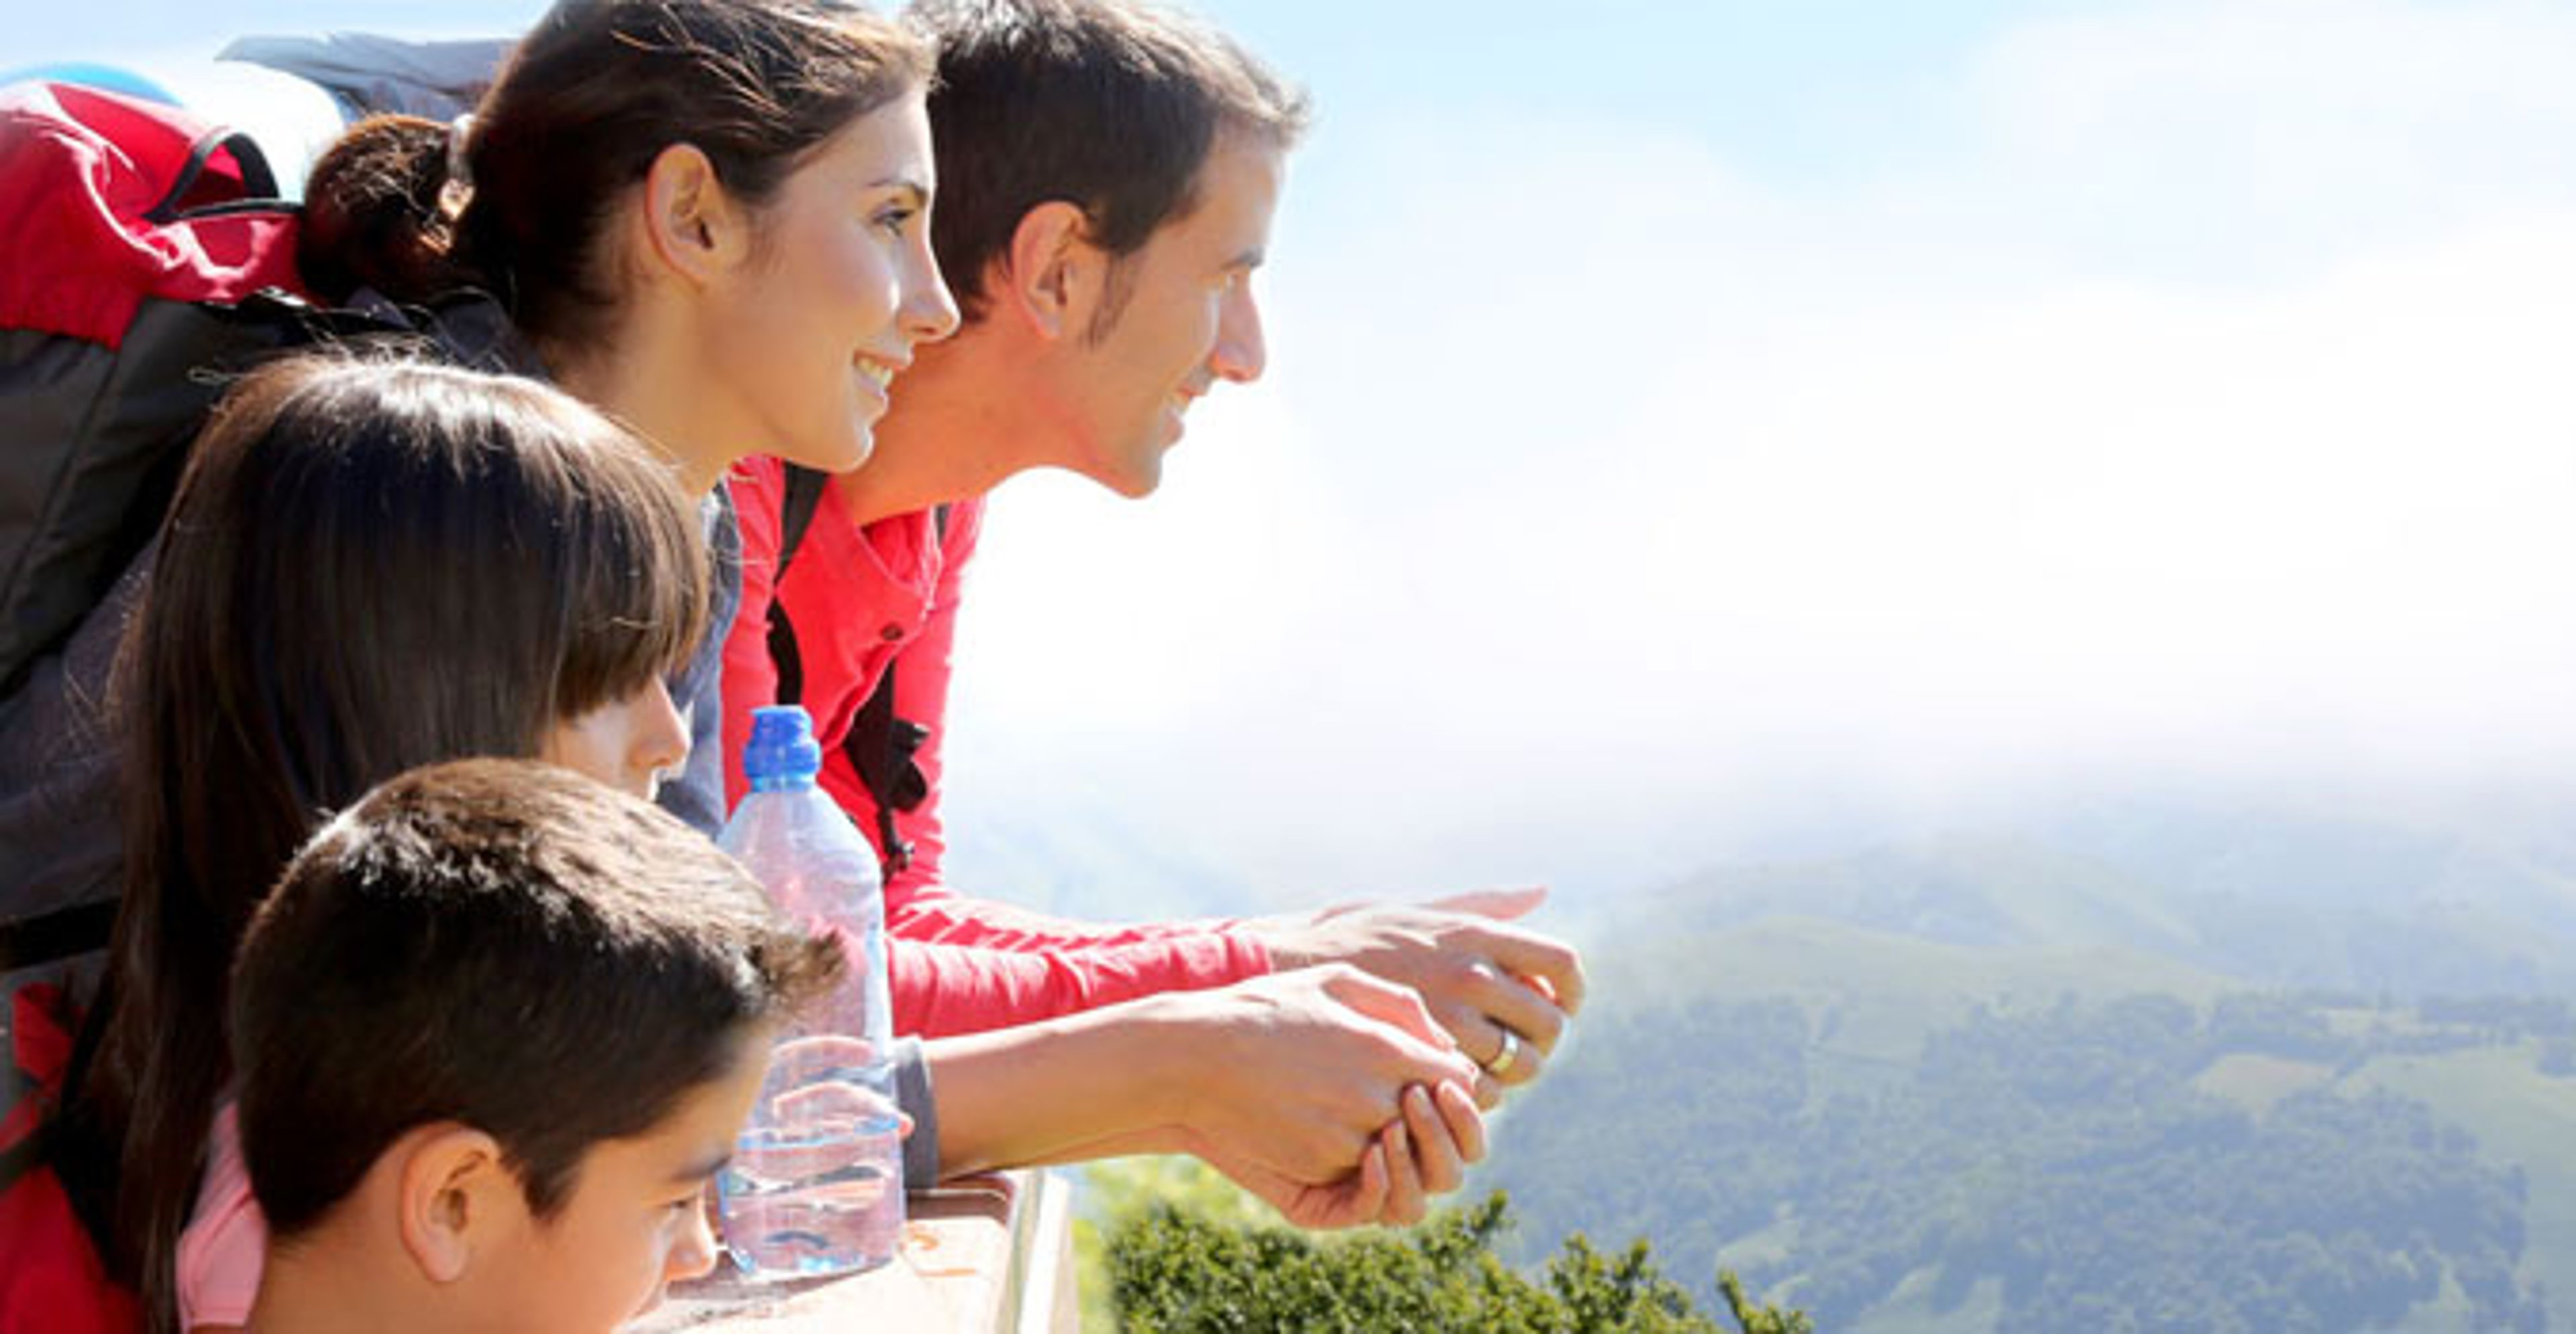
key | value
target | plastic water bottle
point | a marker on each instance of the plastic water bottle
(816, 1181)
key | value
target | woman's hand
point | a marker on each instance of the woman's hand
(1285, 1083)
(1423, 1154)
(1297, 1072)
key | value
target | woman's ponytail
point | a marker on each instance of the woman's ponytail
(380, 212)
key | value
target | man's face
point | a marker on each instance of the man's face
(1178, 318)
(636, 1218)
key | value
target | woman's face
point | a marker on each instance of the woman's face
(810, 330)
(630, 744)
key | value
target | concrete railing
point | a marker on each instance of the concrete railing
(986, 1255)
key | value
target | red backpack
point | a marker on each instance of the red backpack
(148, 255)
(51, 1278)
(146, 250)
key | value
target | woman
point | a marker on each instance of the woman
(709, 220)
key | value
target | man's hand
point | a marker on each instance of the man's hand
(1494, 987)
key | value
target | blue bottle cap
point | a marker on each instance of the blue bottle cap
(782, 744)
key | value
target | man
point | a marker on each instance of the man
(1108, 175)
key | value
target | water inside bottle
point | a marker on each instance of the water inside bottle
(822, 1197)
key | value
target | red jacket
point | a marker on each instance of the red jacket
(869, 600)
(51, 1278)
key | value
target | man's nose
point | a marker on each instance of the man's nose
(1240, 352)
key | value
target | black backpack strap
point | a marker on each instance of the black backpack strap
(22, 1157)
(884, 752)
(259, 184)
(795, 515)
(35, 1148)
(881, 747)
(51, 937)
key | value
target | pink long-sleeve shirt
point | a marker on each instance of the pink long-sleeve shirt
(224, 1248)
(878, 600)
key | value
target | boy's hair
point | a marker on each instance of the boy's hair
(503, 944)
(1111, 105)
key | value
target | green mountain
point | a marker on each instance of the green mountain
(1998, 1084)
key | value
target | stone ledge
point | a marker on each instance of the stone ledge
(982, 1255)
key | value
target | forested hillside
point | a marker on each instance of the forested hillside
(2137, 1163)
(2146, 1074)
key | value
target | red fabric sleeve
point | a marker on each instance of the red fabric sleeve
(943, 990)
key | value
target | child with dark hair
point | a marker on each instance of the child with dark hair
(496, 1030)
(371, 564)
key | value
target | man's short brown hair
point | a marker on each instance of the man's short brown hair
(1109, 105)
(507, 945)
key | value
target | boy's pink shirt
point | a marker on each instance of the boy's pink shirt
(226, 1241)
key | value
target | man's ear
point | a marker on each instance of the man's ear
(1051, 276)
(454, 1195)
(692, 225)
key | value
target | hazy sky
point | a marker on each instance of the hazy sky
(1682, 425)
(1681, 419)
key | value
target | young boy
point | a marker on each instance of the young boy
(495, 1031)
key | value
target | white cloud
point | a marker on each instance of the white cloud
(2208, 405)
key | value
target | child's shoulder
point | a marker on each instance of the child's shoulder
(226, 1240)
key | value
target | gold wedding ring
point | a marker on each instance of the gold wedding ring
(1503, 1059)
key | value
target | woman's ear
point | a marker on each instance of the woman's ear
(693, 227)
(1051, 274)
(454, 1196)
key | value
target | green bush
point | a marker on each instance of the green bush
(1176, 1269)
